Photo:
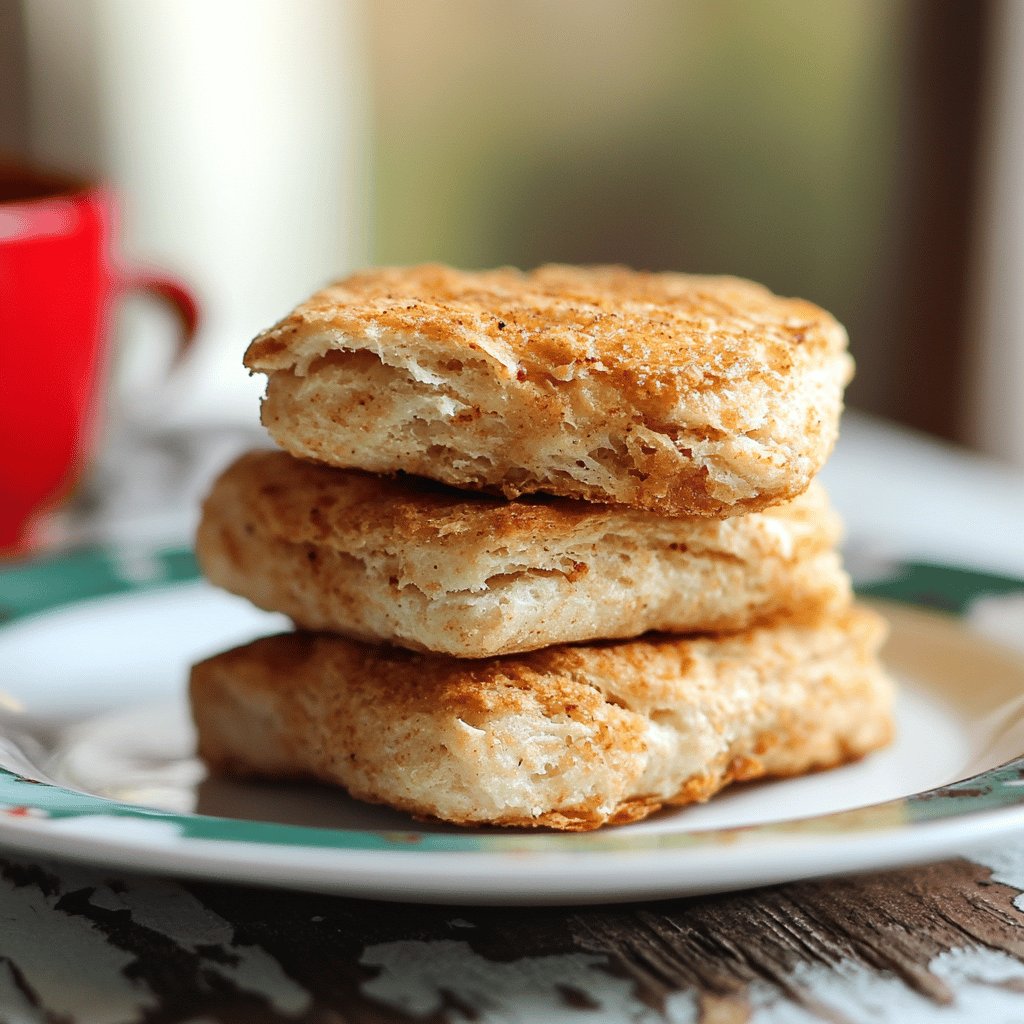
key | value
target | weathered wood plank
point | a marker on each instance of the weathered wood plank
(78, 945)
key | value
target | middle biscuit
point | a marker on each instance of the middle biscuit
(408, 562)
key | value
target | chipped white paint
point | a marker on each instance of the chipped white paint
(978, 966)
(415, 977)
(174, 913)
(1006, 862)
(61, 956)
(855, 994)
(681, 1008)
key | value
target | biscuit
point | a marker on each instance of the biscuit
(679, 394)
(568, 737)
(411, 562)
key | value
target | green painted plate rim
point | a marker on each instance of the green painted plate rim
(41, 585)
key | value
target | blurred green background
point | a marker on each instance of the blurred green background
(752, 138)
(839, 150)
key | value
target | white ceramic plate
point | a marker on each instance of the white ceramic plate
(97, 747)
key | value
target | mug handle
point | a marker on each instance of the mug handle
(173, 293)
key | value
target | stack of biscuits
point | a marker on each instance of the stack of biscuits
(551, 544)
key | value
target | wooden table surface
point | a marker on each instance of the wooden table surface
(943, 942)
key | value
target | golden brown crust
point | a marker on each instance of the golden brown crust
(647, 329)
(675, 393)
(567, 738)
(410, 562)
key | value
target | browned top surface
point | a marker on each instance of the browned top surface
(604, 317)
(307, 503)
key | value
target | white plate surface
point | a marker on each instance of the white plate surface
(93, 700)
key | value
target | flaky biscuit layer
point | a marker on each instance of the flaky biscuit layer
(681, 394)
(570, 737)
(410, 562)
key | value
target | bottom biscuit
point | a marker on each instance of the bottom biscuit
(570, 737)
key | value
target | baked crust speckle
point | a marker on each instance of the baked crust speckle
(676, 393)
(570, 737)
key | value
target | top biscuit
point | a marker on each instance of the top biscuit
(680, 394)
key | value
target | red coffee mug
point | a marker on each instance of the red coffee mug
(58, 280)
